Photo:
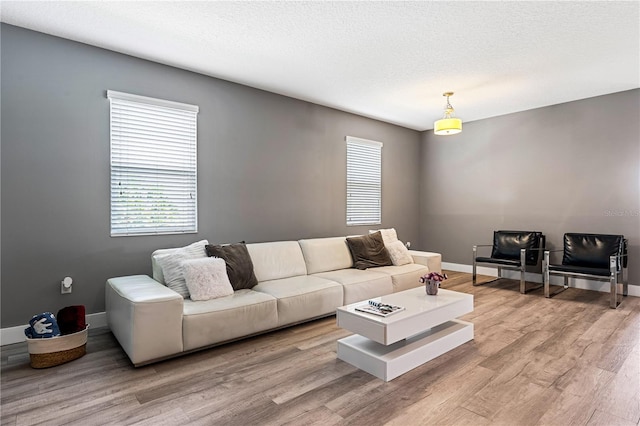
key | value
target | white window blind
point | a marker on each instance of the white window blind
(364, 182)
(153, 165)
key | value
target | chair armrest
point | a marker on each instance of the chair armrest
(433, 261)
(620, 261)
(546, 257)
(145, 316)
(475, 249)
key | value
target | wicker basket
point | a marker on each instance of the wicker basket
(54, 351)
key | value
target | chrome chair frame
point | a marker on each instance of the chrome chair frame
(615, 277)
(522, 268)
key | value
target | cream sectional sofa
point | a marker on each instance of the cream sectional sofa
(297, 281)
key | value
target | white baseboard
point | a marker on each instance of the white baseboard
(12, 335)
(583, 284)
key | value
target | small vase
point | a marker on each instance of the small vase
(432, 287)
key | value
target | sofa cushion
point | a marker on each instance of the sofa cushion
(207, 278)
(326, 254)
(389, 235)
(368, 251)
(167, 265)
(243, 313)
(358, 285)
(303, 297)
(239, 264)
(404, 277)
(280, 259)
(398, 253)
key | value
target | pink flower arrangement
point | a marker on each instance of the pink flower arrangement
(433, 276)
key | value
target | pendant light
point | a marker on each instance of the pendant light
(448, 125)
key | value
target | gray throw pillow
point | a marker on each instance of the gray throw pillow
(368, 251)
(239, 264)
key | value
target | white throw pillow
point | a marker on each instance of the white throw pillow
(171, 264)
(398, 253)
(388, 235)
(207, 278)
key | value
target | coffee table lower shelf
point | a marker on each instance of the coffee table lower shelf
(389, 362)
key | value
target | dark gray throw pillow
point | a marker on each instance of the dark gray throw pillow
(368, 251)
(239, 264)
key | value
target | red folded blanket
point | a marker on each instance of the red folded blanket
(71, 319)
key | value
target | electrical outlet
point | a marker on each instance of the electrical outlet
(66, 285)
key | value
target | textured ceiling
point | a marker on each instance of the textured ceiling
(385, 60)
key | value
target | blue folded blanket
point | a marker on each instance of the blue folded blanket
(42, 326)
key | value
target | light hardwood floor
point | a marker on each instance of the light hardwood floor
(570, 360)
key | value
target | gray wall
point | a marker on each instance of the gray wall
(573, 167)
(270, 168)
(273, 168)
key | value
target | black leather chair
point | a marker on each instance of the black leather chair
(514, 250)
(592, 256)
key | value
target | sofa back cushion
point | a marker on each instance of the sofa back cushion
(275, 260)
(326, 254)
(591, 250)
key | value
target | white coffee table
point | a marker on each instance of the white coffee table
(391, 346)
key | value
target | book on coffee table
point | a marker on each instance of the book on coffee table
(380, 309)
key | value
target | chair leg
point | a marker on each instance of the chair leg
(613, 279)
(545, 274)
(546, 278)
(613, 302)
(523, 267)
(473, 279)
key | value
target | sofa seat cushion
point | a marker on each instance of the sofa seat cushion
(243, 313)
(279, 259)
(326, 254)
(303, 297)
(360, 285)
(404, 277)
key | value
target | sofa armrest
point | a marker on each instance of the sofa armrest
(145, 316)
(433, 261)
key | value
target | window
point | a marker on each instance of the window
(364, 182)
(153, 166)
